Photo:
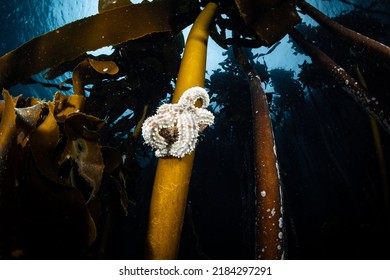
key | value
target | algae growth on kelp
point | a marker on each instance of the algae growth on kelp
(76, 178)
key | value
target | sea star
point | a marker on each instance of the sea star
(174, 129)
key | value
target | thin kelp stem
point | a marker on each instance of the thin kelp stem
(138, 127)
(172, 177)
(78, 77)
(355, 39)
(88, 66)
(269, 234)
(371, 105)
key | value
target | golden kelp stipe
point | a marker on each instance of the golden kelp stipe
(70, 41)
(172, 177)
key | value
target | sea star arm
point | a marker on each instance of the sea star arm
(191, 95)
(187, 136)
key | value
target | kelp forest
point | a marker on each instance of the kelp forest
(146, 154)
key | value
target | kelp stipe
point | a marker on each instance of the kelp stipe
(173, 175)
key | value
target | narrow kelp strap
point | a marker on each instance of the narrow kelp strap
(172, 177)
(70, 41)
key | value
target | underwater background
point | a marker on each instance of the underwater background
(333, 163)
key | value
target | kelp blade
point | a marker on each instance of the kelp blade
(70, 41)
(270, 19)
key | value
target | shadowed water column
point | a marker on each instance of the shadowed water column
(269, 223)
(172, 177)
(353, 38)
(372, 106)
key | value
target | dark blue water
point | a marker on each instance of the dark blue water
(23, 20)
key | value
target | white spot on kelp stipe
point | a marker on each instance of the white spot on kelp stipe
(280, 222)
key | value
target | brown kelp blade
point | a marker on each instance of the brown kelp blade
(270, 19)
(70, 41)
(7, 124)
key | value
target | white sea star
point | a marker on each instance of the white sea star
(174, 129)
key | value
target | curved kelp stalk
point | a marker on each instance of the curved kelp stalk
(138, 127)
(87, 68)
(172, 177)
(371, 105)
(66, 43)
(269, 222)
(355, 39)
